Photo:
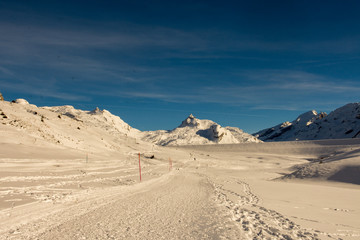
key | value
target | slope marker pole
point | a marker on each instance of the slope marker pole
(139, 167)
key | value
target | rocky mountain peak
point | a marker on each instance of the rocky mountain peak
(96, 111)
(190, 121)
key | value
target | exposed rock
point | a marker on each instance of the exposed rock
(190, 121)
(321, 115)
(96, 111)
(349, 131)
(3, 115)
(357, 135)
(1, 97)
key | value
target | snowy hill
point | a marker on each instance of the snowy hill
(196, 131)
(344, 122)
(100, 118)
(64, 126)
(99, 130)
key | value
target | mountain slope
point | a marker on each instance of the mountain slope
(64, 126)
(343, 122)
(99, 130)
(196, 131)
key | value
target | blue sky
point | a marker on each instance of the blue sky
(249, 64)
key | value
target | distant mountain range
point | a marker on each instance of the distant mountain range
(343, 122)
(67, 126)
(195, 131)
(79, 129)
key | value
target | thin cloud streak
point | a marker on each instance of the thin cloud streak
(286, 85)
(33, 40)
(124, 38)
(273, 94)
(6, 71)
(42, 91)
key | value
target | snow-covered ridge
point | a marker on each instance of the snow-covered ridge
(64, 126)
(101, 118)
(98, 129)
(195, 131)
(343, 122)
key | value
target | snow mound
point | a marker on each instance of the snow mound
(340, 167)
(195, 131)
(343, 122)
(242, 136)
(21, 101)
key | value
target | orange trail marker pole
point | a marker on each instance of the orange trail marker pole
(139, 167)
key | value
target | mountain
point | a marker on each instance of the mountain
(65, 127)
(99, 130)
(343, 122)
(195, 131)
(100, 118)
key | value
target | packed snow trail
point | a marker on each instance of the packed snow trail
(181, 208)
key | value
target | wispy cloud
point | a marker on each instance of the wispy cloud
(22, 38)
(40, 90)
(134, 61)
(121, 54)
(302, 81)
(6, 71)
(280, 90)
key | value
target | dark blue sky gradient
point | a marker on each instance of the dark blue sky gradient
(249, 64)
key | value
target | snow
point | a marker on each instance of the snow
(97, 118)
(343, 122)
(21, 101)
(196, 131)
(73, 174)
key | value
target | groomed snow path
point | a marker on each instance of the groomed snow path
(181, 207)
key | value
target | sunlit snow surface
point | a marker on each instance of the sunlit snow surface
(73, 174)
